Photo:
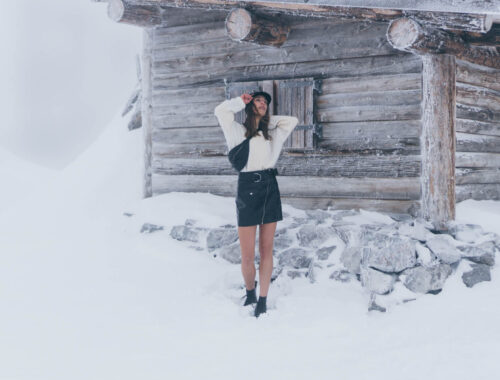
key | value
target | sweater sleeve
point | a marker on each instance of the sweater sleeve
(225, 113)
(284, 126)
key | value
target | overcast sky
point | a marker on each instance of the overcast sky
(65, 70)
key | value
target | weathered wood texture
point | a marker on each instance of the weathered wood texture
(333, 165)
(297, 98)
(438, 139)
(408, 35)
(126, 11)
(466, 17)
(310, 186)
(211, 184)
(478, 132)
(242, 25)
(201, 55)
(368, 106)
(147, 108)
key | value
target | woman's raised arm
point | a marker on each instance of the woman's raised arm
(284, 126)
(225, 111)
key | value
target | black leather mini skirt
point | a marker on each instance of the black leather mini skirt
(258, 198)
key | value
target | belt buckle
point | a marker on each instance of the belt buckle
(260, 177)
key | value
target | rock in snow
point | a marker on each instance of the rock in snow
(295, 257)
(483, 253)
(444, 248)
(376, 281)
(220, 237)
(149, 228)
(390, 254)
(351, 259)
(479, 273)
(188, 233)
(324, 253)
(313, 236)
(426, 279)
(376, 254)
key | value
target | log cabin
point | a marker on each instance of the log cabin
(398, 101)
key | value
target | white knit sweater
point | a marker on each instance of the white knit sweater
(263, 153)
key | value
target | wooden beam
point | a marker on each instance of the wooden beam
(438, 139)
(126, 11)
(408, 35)
(241, 25)
(477, 18)
(146, 109)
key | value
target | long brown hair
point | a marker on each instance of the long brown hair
(250, 122)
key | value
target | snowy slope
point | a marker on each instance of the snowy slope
(85, 295)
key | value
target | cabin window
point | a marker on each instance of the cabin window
(294, 97)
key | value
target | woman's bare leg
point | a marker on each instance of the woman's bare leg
(266, 243)
(247, 244)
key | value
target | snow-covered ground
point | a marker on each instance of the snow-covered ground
(85, 295)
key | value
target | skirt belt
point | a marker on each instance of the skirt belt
(258, 175)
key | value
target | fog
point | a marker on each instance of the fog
(65, 70)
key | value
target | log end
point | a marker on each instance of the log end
(238, 24)
(116, 10)
(402, 33)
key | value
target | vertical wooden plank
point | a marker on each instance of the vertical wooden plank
(296, 99)
(268, 86)
(147, 108)
(438, 139)
(308, 117)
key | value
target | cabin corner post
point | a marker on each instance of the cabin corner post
(438, 139)
(146, 109)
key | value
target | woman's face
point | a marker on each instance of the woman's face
(260, 104)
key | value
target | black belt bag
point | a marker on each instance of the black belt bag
(238, 156)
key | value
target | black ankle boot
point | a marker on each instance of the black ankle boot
(251, 296)
(261, 306)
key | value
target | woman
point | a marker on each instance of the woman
(258, 198)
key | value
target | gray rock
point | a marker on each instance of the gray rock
(469, 233)
(276, 272)
(376, 281)
(340, 214)
(186, 233)
(295, 274)
(483, 253)
(346, 232)
(282, 241)
(390, 254)
(479, 273)
(231, 253)
(294, 257)
(220, 237)
(150, 228)
(324, 253)
(426, 279)
(373, 306)
(310, 273)
(228, 226)
(313, 236)
(129, 214)
(416, 230)
(318, 215)
(351, 259)
(342, 275)
(443, 247)
(424, 255)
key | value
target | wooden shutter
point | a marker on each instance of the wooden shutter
(295, 97)
(237, 88)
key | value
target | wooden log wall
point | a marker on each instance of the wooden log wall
(478, 132)
(369, 155)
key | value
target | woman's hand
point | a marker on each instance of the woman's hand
(247, 98)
